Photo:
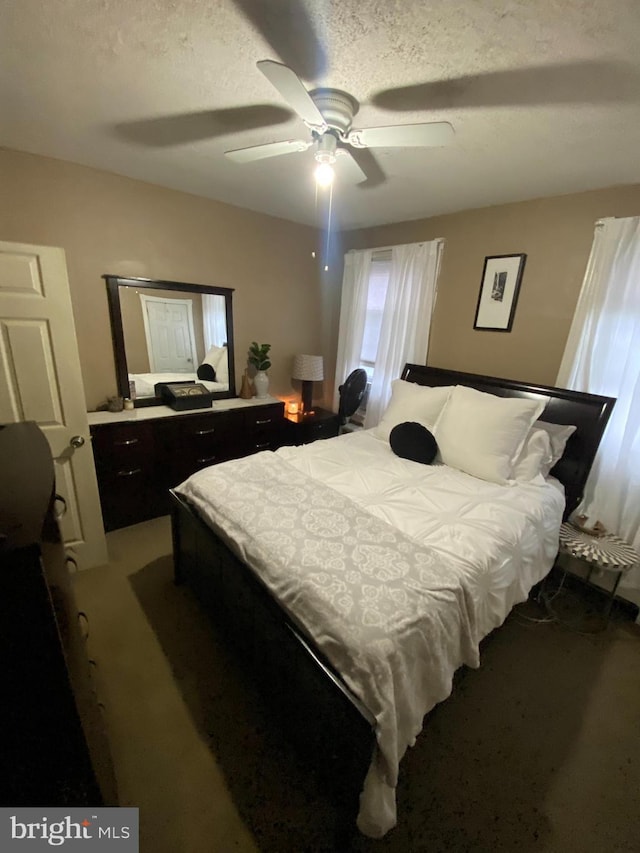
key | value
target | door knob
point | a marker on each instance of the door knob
(76, 441)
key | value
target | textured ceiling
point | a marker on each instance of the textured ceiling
(544, 95)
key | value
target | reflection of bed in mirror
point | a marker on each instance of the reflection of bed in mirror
(144, 383)
(170, 332)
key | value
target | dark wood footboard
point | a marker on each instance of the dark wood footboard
(329, 727)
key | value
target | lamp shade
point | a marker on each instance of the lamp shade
(308, 368)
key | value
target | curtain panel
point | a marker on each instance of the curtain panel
(602, 356)
(353, 311)
(214, 318)
(406, 321)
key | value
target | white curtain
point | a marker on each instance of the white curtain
(353, 311)
(406, 321)
(602, 356)
(214, 318)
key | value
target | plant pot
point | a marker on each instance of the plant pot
(261, 384)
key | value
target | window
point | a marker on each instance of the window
(385, 315)
(376, 295)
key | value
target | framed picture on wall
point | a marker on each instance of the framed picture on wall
(499, 290)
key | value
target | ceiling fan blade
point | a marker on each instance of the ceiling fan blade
(287, 27)
(364, 164)
(588, 82)
(270, 149)
(292, 90)
(347, 168)
(403, 135)
(208, 124)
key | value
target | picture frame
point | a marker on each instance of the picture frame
(499, 290)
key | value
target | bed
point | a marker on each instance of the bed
(355, 582)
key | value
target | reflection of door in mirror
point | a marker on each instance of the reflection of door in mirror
(164, 331)
(168, 326)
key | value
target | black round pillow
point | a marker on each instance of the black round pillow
(413, 441)
(205, 371)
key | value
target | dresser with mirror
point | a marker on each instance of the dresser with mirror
(162, 332)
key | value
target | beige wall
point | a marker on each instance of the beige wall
(110, 224)
(556, 235)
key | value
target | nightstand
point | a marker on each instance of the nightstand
(303, 429)
(607, 553)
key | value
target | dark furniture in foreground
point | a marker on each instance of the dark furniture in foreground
(54, 745)
(321, 714)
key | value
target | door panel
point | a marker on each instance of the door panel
(40, 381)
(170, 328)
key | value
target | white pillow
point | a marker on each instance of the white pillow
(558, 435)
(482, 434)
(534, 457)
(411, 402)
(217, 358)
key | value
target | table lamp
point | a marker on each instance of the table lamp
(309, 369)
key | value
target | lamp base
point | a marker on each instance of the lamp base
(307, 396)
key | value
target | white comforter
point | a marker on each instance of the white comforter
(396, 604)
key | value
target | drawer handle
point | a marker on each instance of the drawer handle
(129, 473)
(265, 421)
(74, 564)
(204, 459)
(205, 431)
(127, 442)
(262, 446)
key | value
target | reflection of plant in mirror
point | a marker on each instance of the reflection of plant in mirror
(259, 356)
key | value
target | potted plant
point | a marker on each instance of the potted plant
(259, 358)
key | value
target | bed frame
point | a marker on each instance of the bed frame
(328, 725)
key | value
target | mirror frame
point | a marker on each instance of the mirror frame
(114, 283)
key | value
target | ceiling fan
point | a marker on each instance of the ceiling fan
(289, 29)
(329, 114)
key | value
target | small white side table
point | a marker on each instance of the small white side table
(608, 552)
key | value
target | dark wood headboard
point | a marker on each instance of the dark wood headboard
(588, 412)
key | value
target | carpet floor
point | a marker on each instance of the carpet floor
(537, 750)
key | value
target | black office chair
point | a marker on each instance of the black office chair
(351, 393)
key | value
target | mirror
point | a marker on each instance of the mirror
(169, 331)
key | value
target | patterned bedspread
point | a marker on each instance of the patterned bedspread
(394, 617)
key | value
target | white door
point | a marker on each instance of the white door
(40, 381)
(170, 337)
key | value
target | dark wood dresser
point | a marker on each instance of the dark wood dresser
(54, 744)
(140, 455)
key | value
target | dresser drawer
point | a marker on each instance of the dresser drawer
(127, 496)
(262, 419)
(125, 467)
(204, 428)
(263, 427)
(198, 441)
(123, 446)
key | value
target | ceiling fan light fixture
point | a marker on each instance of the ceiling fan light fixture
(325, 156)
(324, 174)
